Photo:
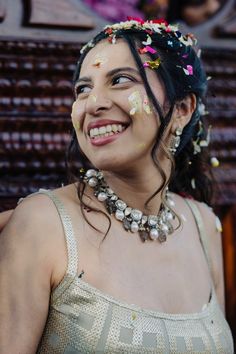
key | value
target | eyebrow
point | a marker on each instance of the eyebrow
(110, 73)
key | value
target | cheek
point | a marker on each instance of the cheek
(76, 114)
(139, 105)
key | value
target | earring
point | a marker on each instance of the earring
(174, 144)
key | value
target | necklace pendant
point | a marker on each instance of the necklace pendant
(134, 226)
(126, 224)
(143, 235)
(162, 237)
(154, 234)
(111, 208)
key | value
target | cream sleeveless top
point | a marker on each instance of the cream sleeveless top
(84, 320)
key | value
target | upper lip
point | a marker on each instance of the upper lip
(104, 122)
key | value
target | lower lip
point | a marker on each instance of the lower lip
(106, 139)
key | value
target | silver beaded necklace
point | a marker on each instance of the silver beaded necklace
(149, 227)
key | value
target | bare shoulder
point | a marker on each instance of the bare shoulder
(30, 224)
(35, 228)
(35, 214)
(213, 230)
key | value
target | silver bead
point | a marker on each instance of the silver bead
(120, 204)
(91, 173)
(119, 215)
(102, 197)
(154, 234)
(134, 227)
(152, 220)
(136, 214)
(164, 228)
(171, 202)
(92, 182)
(169, 216)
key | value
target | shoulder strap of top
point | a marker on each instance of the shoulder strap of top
(71, 244)
(201, 229)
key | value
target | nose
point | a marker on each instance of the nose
(97, 104)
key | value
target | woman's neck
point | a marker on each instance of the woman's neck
(136, 188)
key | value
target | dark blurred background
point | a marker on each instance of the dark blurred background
(40, 42)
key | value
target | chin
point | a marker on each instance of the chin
(109, 164)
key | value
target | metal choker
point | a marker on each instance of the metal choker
(149, 227)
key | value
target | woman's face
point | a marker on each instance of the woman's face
(193, 14)
(113, 119)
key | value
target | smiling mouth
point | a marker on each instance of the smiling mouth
(106, 131)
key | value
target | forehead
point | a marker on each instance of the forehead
(111, 55)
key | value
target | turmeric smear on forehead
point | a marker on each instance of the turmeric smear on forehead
(100, 59)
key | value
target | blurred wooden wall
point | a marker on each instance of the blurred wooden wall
(39, 46)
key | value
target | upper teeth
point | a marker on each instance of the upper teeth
(109, 129)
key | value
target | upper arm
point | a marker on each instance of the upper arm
(25, 278)
(214, 239)
(4, 218)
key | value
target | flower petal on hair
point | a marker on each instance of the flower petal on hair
(150, 49)
(148, 41)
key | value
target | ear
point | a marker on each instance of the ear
(183, 112)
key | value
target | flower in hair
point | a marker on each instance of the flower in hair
(149, 26)
(148, 41)
(188, 70)
(147, 49)
(152, 64)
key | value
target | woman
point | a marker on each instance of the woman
(73, 261)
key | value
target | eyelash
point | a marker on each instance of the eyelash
(122, 76)
(78, 88)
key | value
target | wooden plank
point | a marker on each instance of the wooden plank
(229, 248)
(61, 13)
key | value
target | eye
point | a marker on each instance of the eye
(79, 89)
(121, 79)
